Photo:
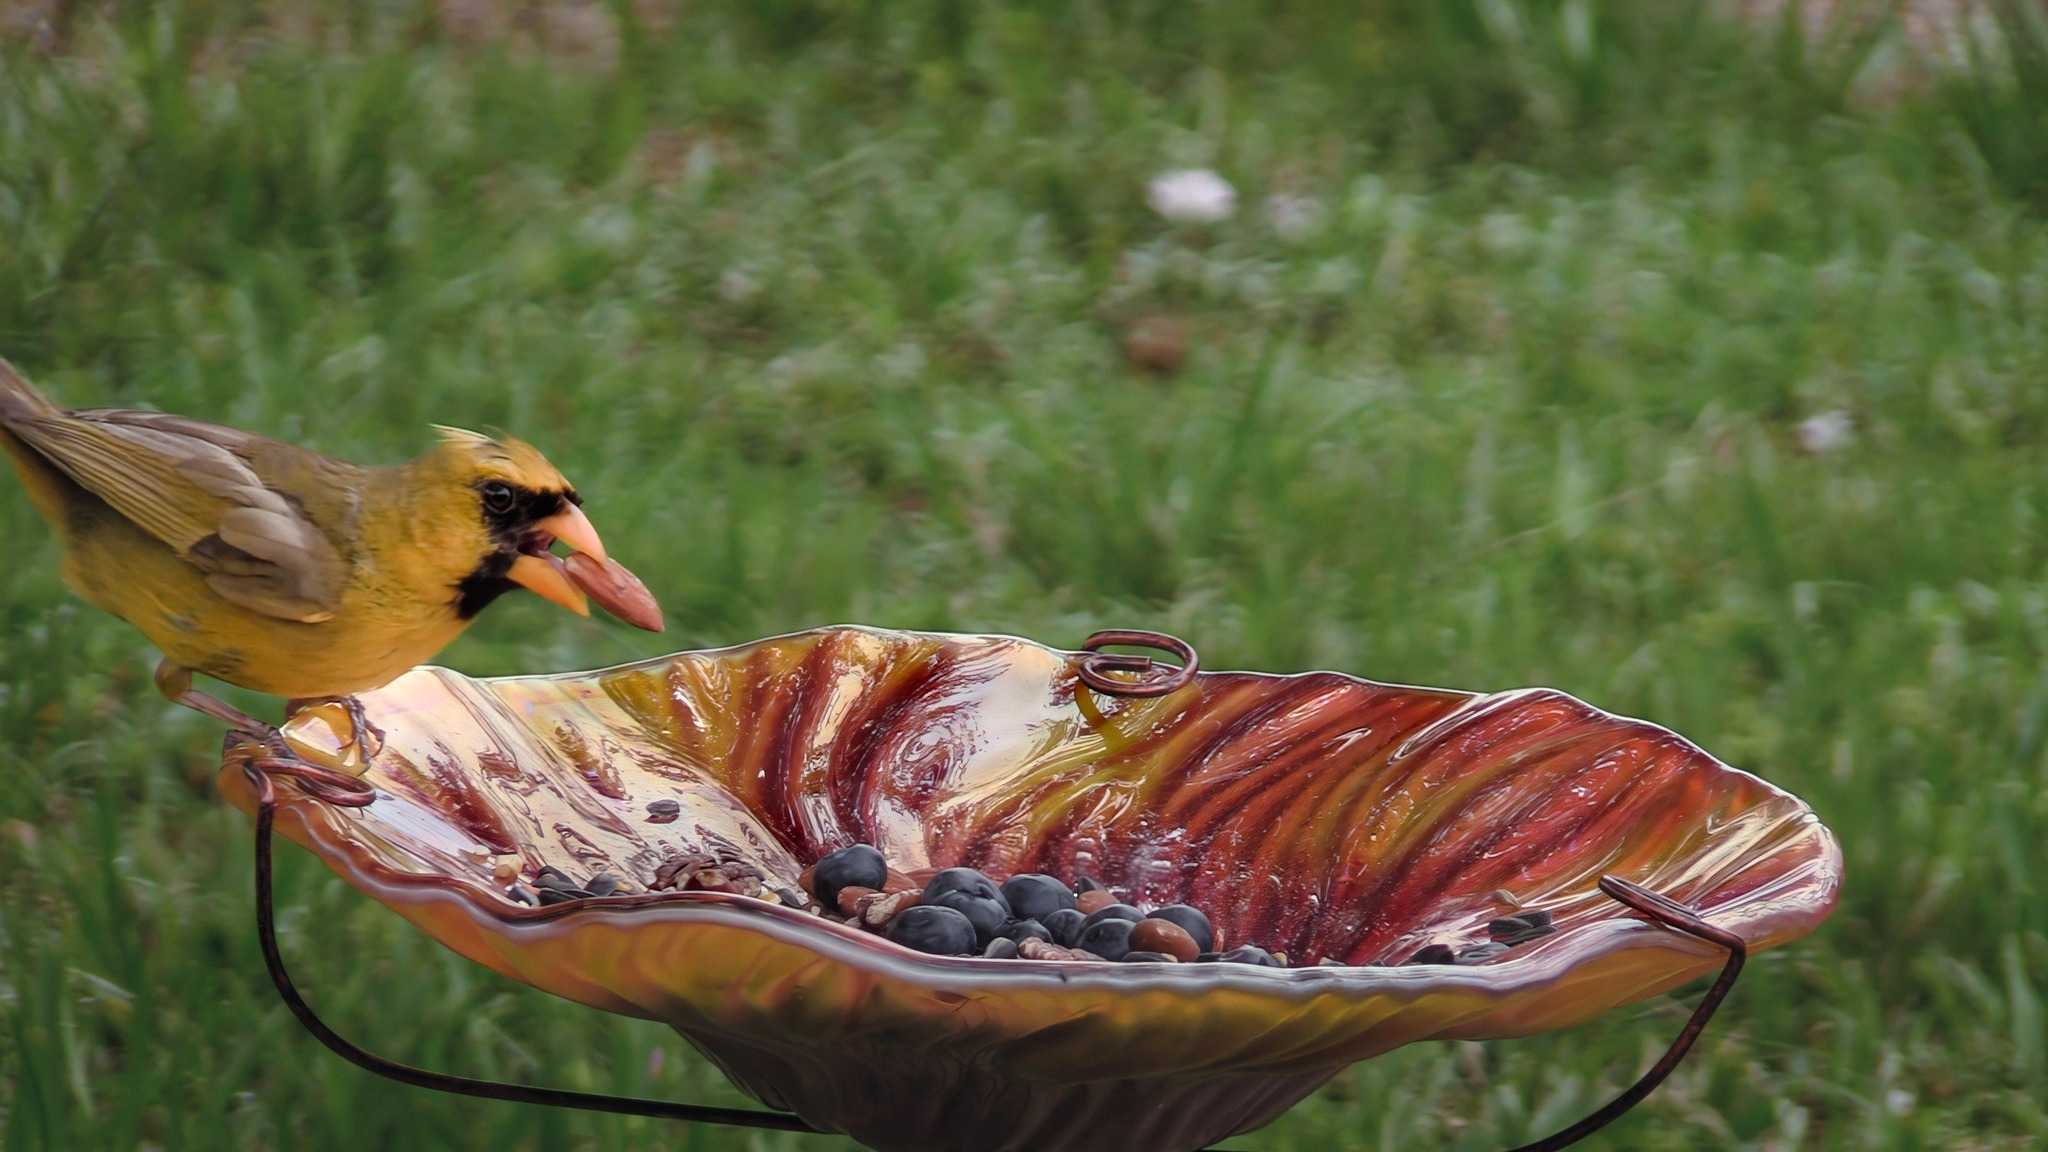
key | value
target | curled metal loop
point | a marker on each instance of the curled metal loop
(1149, 677)
(263, 762)
(322, 784)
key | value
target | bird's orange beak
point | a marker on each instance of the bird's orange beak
(543, 574)
(587, 569)
(573, 528)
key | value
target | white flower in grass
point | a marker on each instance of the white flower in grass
(1191, 196)
(1826, 432)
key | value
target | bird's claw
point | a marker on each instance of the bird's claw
(365, 738)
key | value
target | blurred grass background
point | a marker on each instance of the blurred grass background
(1691, 357)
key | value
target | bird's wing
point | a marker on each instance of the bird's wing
(199, 488)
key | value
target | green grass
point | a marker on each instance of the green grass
(820, 304)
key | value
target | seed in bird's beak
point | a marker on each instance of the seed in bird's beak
(544, 576)
(615, 589)
(573, 528)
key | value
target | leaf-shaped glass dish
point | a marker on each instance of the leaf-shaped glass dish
(1318, 814)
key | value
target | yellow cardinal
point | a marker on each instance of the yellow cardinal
(284, 571)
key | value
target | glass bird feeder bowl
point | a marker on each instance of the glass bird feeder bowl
(1321, 815)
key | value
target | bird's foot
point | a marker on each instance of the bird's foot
(266, 734)
(365, 737)
(176, 685)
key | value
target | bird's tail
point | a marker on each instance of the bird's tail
(19, 399)
(48, 488)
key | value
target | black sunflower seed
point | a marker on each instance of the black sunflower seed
(1519, 928)
(554, 878)
(1434, 954)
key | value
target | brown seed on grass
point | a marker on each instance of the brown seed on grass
(1157, 343)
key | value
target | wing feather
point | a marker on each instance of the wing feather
(193, 486)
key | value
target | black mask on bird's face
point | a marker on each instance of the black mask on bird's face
(523, 525)
(513, 507)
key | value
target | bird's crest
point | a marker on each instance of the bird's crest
(450, 434)
(502, 457)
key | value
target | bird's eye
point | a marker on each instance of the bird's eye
(498, 497)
